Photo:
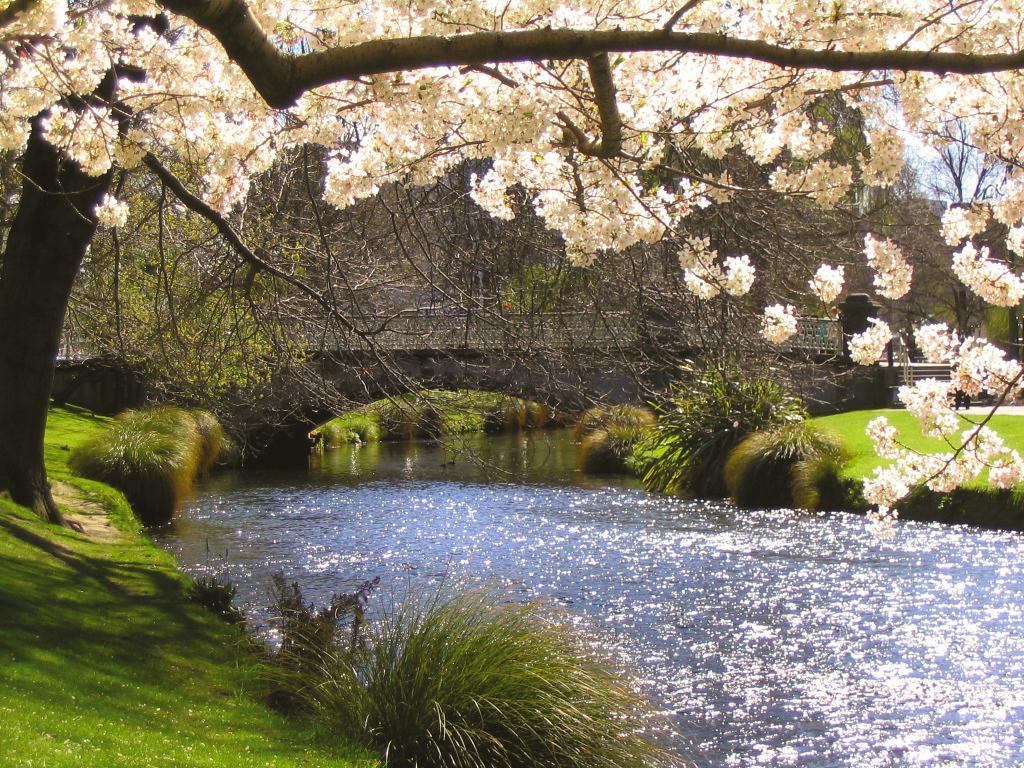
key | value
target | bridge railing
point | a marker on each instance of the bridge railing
(564, 331)
(482, 332)
(490, 332)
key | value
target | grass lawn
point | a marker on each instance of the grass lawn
(102, 661)
(851, 427)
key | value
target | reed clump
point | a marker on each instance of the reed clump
(793, 465)
(466, 681)
(153, 456)
(608, 437)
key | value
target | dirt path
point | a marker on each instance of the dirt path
(90, 515)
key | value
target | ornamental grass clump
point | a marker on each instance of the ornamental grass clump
(608, 437)
(608, 451)
(474, 682)
(711, 409)
(603, 416)
(786, 466)
(153, 456)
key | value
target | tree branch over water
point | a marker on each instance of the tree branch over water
(282, 77)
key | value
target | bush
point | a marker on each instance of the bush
(471, 682)
(819, 484)
(211, 432)
(408, 417)
(760, 470)
(152, 455)
(310, 639)
(431, 414)
(608, 436)
(711, 409)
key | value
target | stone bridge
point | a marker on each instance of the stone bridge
(565, 356)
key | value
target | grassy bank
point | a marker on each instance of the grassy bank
(103, 662)
(851, 427)
(432, 414)
(976, 504)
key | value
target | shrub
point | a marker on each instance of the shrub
(504, 414)
(408, 417)
(432, 414)
(217, 596)
(538, 415)
(711, 409)
(211, 432)
(760, 470)
(357, 426)
(471, 682)
(152, 455)
(310, 639)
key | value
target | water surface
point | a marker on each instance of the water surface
(770, 638)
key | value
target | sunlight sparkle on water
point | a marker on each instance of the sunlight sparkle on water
(772, 638)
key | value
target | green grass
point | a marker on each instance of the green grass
(105, 664)
(850, 426)
(432, 414)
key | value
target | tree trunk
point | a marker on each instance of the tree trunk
(48, 238)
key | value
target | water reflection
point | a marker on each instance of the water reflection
(774, 638)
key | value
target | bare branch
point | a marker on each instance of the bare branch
(675, 17)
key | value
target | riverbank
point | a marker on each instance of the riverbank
(103, 660)
(433, 414)
(976, 504)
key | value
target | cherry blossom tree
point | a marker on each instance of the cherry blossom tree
(582, 105)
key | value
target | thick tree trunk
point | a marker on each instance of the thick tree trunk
(47, 241)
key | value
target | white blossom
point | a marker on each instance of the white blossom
(892, 271)
(867, 347)
(937, 342)
(112, 212)
(778, 323)
(827, 283)
(992, 280)
(739, 275)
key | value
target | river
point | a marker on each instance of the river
(770, 638)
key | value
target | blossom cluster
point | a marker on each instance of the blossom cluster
(112, 212)
(827, 283)
(866, 347)
(778, 323)
(992, 280)
(705, 277)
(893, 272)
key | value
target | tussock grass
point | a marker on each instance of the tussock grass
(787, 466)
(608, 451)
(608, 437)
(473, 682)
(153, 456)
(604, 416)
(711, 409)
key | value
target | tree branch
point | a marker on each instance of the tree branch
(223, 226)
(281, 78)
